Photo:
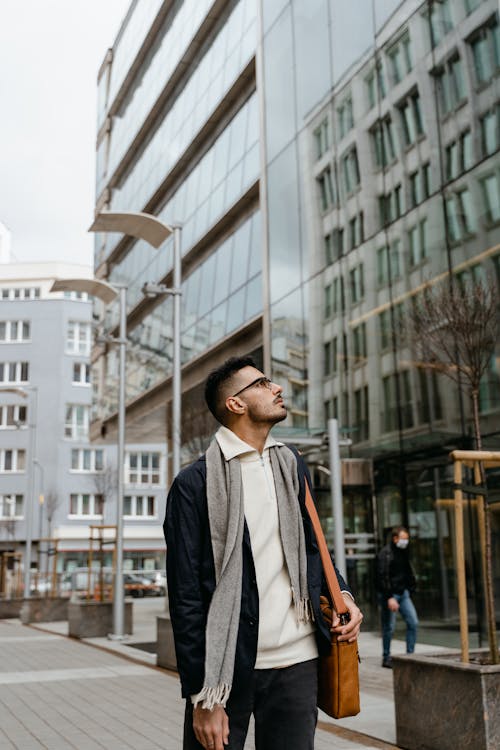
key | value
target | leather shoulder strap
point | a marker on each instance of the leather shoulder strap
(330, 575)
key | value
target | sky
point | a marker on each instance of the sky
(50, 54)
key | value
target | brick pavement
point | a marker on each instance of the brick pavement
(61, 694)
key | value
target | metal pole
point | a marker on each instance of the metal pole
(119, 594)
(336, 493)
(176, 375)
(29, 505)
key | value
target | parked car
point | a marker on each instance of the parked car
(159, 578)
(139, 586)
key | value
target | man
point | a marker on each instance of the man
(244, 577)
(396, 582)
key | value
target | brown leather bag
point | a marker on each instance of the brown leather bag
(338, 676)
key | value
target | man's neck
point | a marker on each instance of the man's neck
(252, 434)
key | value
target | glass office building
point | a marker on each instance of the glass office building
(325, 160)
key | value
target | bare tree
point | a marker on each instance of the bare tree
(9, 525)
(105, 484)
(51, 503)
(454, 330)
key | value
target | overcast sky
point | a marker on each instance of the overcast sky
(50, 52)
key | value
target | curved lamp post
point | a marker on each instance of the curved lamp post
(107, 293)
(147, 227)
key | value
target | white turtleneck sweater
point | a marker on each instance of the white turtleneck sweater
(282, 641)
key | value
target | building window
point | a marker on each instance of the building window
(466, 155)
(451, 85)
(375, 85)
(400, 59)
(11, 506)
(471, 5)
(14, 330)
(384, 327)
(20, 293)
(328, 299)
(77, 296)
(361, 415)
(417, 242)
(357, 284)
(383, 144)
(12, 460)
(85, 505)
(350, 168)
(327, 358)
(81, 373)
(86, 459)
(419, 185)
(390, 206)
(76, 425)
(452, 161)
(440, 21)
(486, 52)
(491, 197)
(326, 189)
(139, 506)
(411, 118)
(429, 407)
(359, 344)
(345, 117)
(12, 416)
(79, 339)
(490, 131)
(394, 411)
(460, 215)
(356, 231)
(388, 264)
(142, 468)
(14, 372)
(334, 246)
(322, 139)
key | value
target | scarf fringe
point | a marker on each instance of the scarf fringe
(303, 608)
(210, 697)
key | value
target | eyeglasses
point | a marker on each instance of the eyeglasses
(261, 382)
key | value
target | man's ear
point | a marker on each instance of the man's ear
(234, 405)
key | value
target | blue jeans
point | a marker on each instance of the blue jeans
(408, 613)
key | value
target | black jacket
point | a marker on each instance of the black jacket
(191, 580)
(394, 571)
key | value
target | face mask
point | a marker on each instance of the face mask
(402, 543)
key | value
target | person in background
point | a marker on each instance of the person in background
(245, 577)
(395, 584)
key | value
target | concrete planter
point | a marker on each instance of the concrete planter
(44, 609)
(165, 649)
(88, 619)
(443, 704)
(10, 608)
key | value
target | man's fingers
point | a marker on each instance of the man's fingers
(225, 729)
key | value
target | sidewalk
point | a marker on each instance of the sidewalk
(59, 693)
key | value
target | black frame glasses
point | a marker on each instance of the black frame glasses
(258, 381)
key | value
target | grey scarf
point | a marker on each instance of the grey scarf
(226, 519)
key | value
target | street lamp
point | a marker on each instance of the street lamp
(155, 232)
(28, 521)
(107, 293)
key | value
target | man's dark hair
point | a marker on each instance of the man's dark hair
(396, 531)
(218, 378)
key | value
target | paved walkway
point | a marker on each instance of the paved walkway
(59, 693)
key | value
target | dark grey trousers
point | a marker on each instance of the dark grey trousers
(283, 702)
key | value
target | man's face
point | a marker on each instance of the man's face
(261, 397)
(402, 540)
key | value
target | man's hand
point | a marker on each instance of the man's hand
(211, 728)
(350, 631)
(393, 604)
